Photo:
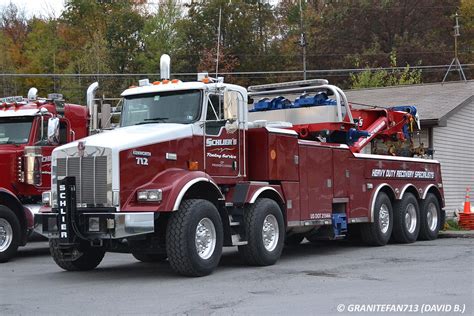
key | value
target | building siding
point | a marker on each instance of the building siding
(454, 148)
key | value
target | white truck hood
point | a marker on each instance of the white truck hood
(135, 136)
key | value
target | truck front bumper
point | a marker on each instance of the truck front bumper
(100, 225)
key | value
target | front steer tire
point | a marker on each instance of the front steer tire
(196, 223)
(91, 257)
(263, 217)
(10, 234)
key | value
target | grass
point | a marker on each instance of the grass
(451, 225)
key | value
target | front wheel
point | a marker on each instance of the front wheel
(10, 233)
(378, 232)
(430, 218)
(91, 256)
(194, 238)
(265, 232)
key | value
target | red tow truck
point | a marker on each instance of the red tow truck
(30, 128)
(191, 169)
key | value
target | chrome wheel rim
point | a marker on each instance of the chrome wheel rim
(6, 234)
(270, 232)
(205, 239)
(432, 217)
(384, 218)
(410, 218)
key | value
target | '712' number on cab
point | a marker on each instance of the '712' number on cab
(142, 161)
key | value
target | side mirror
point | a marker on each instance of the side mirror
(231, 105)
(53, 131)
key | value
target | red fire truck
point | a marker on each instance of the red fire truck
(30, 128)
(191, 169)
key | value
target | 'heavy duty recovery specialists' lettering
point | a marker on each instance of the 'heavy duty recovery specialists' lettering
(402, 174)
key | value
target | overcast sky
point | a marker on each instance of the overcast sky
(49, 8)
(37, 7)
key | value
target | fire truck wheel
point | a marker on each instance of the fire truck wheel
(378, 232)
(294, 240)
(430, 218)
(90, 258)
(149, 257)
(265, 231)
(194, 238)
(406, 219)
(10, 233)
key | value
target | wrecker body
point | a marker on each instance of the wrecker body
(192, 169)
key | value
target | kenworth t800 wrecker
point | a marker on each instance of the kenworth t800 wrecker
(194, 167)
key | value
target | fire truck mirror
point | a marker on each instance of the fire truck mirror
(53, 131)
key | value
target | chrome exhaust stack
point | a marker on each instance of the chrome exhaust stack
(92, 106)
(165, 67)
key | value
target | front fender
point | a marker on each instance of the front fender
(174, 183)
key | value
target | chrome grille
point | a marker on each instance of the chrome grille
(91, 177)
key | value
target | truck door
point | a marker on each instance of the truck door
(47, 147)
(223, 135)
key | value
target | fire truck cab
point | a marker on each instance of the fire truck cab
(30, 128)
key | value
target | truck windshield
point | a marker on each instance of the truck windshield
(164, 107)
(15, 130)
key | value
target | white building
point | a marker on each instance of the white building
(447, 121)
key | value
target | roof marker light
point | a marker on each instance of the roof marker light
(143, 82)
(156, 83)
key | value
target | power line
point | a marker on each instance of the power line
(277, 72)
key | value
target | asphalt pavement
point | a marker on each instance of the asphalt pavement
(331, 278)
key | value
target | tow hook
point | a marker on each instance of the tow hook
(97, 243)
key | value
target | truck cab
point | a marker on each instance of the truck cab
(30, 128)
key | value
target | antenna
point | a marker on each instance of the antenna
(218, 40)
(302, 41)
(455, 61)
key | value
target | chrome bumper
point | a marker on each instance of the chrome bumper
(111, 225)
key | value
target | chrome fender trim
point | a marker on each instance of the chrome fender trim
(374, 197)
(405, 188)
(261, 190)
(186, 188)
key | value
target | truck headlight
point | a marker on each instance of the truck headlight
(46, 198)
(149, 195)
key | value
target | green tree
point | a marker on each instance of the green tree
(160, 35)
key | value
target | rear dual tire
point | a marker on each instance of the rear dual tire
(406, 219)
(265, 229)
(431, 220)
(378, 232)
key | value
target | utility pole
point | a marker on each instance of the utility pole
(455, 61)
(302, 41)
(218, 41)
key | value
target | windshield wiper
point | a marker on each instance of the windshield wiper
(10, 142)
(153, 120)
